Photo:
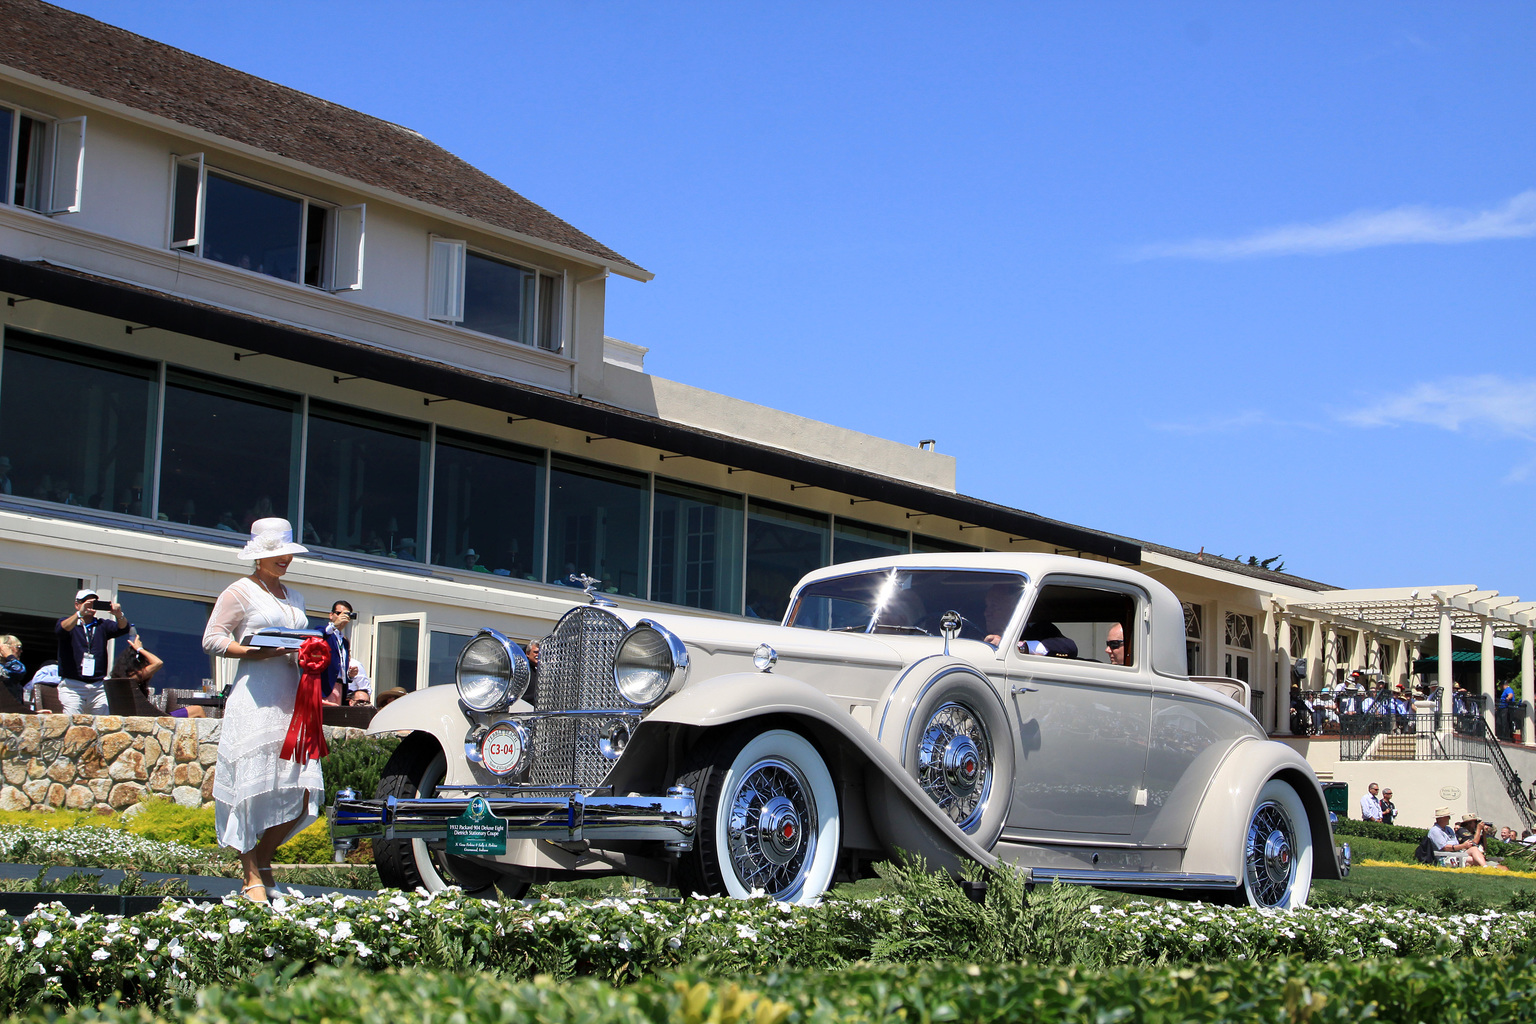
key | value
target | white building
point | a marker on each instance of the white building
(225, 298)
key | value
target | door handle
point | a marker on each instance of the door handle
(1019, 688)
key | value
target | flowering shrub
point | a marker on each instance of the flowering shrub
(53, 957)
(104, 848)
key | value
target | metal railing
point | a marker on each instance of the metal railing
(1431, 736)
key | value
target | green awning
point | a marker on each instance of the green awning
(1459, 657)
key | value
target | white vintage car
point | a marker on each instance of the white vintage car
(1032, 709)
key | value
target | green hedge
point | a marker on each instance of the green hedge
(1476, 991)
(1376, 830)
(356, 764)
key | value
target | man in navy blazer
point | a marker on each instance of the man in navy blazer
(341, 649)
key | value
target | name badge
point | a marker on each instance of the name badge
(87, 664)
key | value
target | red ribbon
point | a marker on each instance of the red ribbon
(306, 739)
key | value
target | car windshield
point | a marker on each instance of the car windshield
(909, 601)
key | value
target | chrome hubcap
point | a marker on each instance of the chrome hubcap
(771, 828)
(954, 763)
(1269, 861)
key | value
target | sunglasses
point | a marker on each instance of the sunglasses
(1114, 645)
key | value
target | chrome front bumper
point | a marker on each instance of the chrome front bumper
(575, 818)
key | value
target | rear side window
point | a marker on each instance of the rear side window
(1081, 623)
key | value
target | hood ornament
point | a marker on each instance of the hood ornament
(589, 587)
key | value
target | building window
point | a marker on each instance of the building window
(256, 227)
(43, 162)
(396, 653)
(443, 650)
(1240, 630)
(488, 506)
(172, 628)
(696, 547)
(1194, 637)
(365, 482)
(1298, 641)
(852, 541)
(494, 296)
(207, 419)
(1239, 635)
(78, 424)
(597, 525)
(783, 544)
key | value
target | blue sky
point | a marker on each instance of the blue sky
(1256, 277)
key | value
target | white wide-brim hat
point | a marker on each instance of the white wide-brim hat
(271, 538)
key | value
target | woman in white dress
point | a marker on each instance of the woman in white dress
(260, 801)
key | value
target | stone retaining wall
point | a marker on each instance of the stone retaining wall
(106, 763)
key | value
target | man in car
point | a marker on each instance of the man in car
(1115, 647)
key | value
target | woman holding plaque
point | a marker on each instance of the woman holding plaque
(261, 800)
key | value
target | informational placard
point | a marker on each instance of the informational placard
(477, 831)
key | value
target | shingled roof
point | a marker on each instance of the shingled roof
(114, 64)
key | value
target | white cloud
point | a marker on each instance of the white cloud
(1364, 229)
(1503, 405)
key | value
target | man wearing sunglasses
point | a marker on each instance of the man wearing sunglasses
(1115, 645)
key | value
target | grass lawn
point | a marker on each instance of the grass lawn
(1492, 888)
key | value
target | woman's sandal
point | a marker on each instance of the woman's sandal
(244, 889)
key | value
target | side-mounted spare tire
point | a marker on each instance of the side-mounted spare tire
(768, 817)
(415, 771)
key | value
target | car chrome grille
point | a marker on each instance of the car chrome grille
(576, 672)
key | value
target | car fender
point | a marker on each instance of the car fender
(902, 814)
(1220, 825)
(436, 711)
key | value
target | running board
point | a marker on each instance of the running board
(1132, 879)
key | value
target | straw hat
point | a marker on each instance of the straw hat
(271, 538)
(1442, 812)
(1469, 818)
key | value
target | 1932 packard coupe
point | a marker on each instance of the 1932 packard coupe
(1031, 709)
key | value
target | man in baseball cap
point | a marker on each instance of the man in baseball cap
(82, 639)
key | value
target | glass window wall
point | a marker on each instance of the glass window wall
(783, 544)
(597, 525)
(696, 546)
(365, 482)
(171, 629)
(852, 541)
(488, 506)
(77, 424)
(230, 453)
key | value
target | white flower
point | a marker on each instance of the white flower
(236, 926)
(100, 954)
(176, 949)
(343, 930)
(675, 942)
(42, 939)
(152, 944)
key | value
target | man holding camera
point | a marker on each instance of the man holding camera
(1444, 839)
(82, 638)
(334, 681)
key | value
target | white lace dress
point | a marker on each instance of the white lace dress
(252, 788)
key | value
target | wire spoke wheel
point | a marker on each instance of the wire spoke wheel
(772, 830)
(954, 763)
(1277, 849)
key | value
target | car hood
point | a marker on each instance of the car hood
(837, 662)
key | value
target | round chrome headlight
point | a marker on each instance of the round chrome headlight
(652, 662)
(492, 672)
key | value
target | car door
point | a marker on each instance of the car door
(1083, 721)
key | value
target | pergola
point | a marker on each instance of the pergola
(1411, 613)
